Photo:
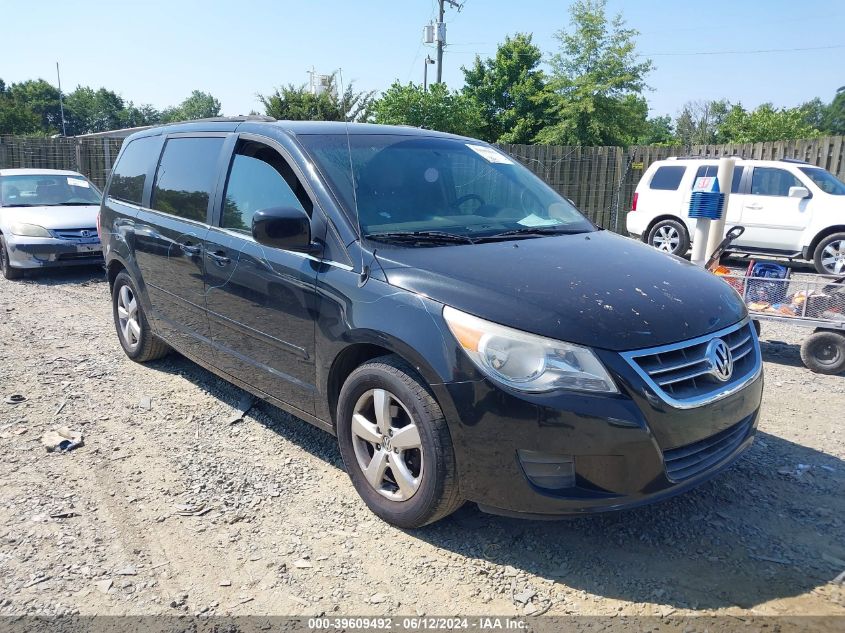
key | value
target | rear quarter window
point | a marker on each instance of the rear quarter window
(667, 178)
(128, 179)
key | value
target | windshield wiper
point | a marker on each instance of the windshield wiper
(421, 236)
(531, 231)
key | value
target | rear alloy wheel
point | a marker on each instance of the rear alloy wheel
(5, 265)
(396, 445)
(133, 330)
(669, 236)
(829, 257)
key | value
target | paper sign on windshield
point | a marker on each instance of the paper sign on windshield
(77, 182)
(490, 155)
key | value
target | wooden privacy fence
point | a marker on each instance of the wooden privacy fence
(599, 180)
(93, 157)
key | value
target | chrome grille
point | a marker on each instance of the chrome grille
(76, 234)
(682, 374)
(689, 460)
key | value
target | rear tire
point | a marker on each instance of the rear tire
(133, 330)
(669, 236)
(8, 271)
(824, 352)
(424, 460)
(829, 257)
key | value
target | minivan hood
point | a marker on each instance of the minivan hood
(596, 289)
(76, 217)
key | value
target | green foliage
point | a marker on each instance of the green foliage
(297, 103)
(200, 105)
(658, 131)
(510, 91)
(597, 80)
(834, 117)
(700, 121)
(765, 123)
(40, 100)
(435, 109)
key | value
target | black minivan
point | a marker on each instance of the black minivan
(460, 327)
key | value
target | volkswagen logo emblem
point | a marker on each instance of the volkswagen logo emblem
(721, 362)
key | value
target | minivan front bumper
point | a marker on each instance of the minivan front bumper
(534, 455)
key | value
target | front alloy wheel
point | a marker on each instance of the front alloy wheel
(396, 445)
(387, 445)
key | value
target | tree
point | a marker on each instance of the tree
(598, 81)
(510, 90)
(200, 105)
(298, 103)
(14, 118)
(658, 131)
(435, 109)
(699, 121)
(40, 99)
(834, 119)
(765, 123)
(88, 110)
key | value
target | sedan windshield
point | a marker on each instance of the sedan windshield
(414, 189)
(825, 181)
(47, 190)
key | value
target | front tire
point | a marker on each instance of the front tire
(669, 236)
(829, 258)
(824, 352)
(396, 445)
(8, 271)
(133, 329)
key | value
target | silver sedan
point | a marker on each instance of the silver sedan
(48, 218)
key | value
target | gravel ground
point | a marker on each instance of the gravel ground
(169, 508)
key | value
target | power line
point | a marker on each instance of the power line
(751, 52)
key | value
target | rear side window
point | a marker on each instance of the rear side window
(713, 170)
(667, 178)
(186, 176)
(771, 181)
(127, 182)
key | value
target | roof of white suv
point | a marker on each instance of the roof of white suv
(38, 172)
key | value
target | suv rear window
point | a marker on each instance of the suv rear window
(186, 176)
(667, 178)
(127, 182)
(713, 170)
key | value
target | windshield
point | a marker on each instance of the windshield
(47, 190)
(825, 181)
(426, 184)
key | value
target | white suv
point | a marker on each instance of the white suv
(788, 208)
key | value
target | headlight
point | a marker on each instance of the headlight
(30, 230)
(526, 361)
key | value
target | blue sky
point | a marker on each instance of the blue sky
(157, 51)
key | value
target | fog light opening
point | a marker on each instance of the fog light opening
(549, 471)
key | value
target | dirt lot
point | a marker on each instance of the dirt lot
(273, 525)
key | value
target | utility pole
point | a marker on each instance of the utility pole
(441, 33)
(61, 103)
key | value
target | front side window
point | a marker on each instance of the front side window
(667, 178)
(713, 171)
(130, 172)
(186, 175)
(259, 178)
(771, 181)
(47, 190)
(825, 181)
(397, 183)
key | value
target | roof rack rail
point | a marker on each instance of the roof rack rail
(794, 160)
(228, 119)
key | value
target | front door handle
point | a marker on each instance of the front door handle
(190, 249)
(219, 258)
(754, 207)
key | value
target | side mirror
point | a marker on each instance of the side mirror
(799, 192)
(287, 228)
